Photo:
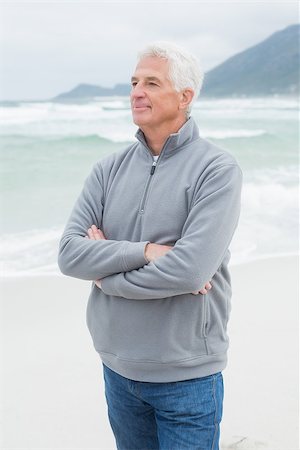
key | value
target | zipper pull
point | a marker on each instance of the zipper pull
(153, 168)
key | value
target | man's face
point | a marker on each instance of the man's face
(154, 101)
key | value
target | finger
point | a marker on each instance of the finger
(97, 233)
(203, 291)
(101, 234)
(208, 286)
(90, 233)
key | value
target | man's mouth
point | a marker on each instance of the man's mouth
(140, 107)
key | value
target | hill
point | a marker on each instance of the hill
(270, 67)
(89, 91)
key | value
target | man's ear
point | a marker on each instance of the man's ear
(186, 97)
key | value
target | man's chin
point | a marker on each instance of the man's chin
(141, 114)
(139, 121)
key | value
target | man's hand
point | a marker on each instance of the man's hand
(95, 233)
(154, 251)
(204, 290)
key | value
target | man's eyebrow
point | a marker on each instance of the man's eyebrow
(152, 78)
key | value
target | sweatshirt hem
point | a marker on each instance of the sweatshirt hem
(164, 372)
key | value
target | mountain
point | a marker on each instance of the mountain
(268, 68)
(89, 91)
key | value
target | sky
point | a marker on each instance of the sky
(48, 47)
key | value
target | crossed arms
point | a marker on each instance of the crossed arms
(152, 252)
(123, 266)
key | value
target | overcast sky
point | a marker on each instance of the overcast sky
(49, 47)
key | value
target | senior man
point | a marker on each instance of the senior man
(151, 228)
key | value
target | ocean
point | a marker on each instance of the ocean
(48, 148)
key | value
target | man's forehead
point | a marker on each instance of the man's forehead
(152, 67)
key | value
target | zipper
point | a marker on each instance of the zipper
(152, 170)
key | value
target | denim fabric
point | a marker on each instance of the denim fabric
(166, 416)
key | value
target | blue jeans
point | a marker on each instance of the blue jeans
(164, 416)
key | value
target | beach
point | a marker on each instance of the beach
(52, 386)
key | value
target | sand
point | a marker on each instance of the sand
(52, 388)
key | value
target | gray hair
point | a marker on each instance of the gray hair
(184, 68)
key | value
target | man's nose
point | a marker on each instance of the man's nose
(137, 91)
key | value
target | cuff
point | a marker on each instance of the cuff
(134, 255)
(108, 285)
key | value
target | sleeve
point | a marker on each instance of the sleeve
(90, 259)
(199, 252)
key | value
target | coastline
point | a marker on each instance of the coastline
(52, 376)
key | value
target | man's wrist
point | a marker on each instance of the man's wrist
(145, 252)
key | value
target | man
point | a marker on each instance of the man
(152, 227)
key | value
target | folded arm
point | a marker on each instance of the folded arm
(91, 259)
(196, 256)
(152, 252)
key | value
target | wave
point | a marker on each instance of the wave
(112, 137)
(279, 179)
(116, 104)
(233, 133)
(230, 103)
(31, 252)
(20, 139)
(27, 113)
(116, 126)
(92, 139)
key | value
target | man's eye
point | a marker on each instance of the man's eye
(134, 83)
(153, 84)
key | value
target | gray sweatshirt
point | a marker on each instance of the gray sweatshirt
(145, 322)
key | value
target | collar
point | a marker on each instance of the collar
(189, 132)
